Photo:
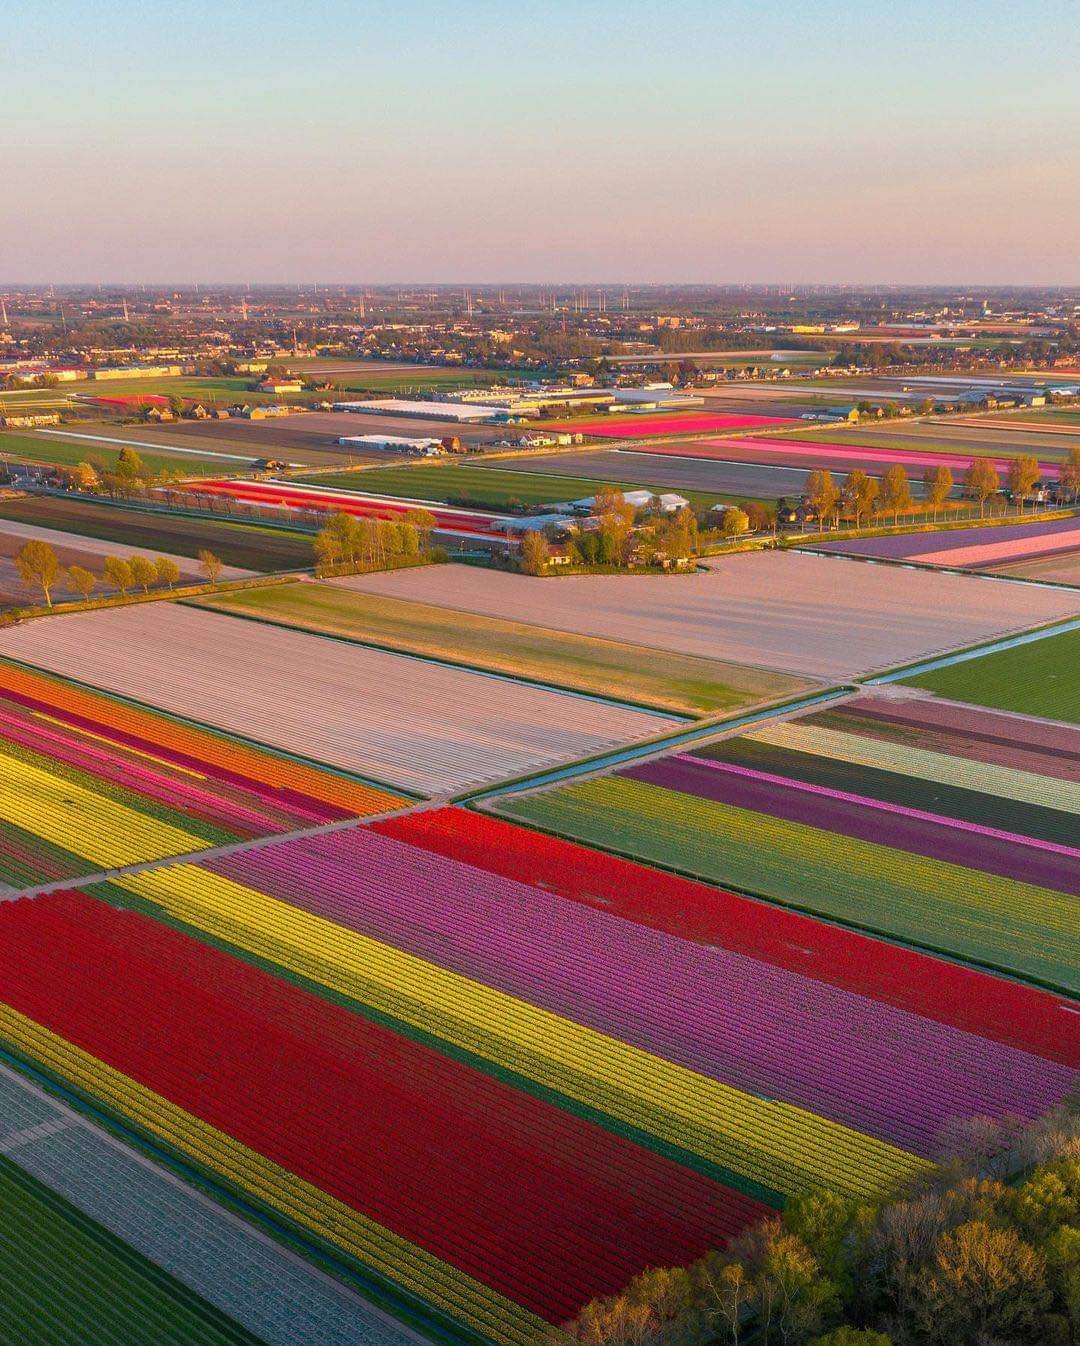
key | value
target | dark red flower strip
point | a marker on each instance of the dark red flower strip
(1007, 1011)
(542, 1206)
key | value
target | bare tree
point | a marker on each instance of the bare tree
(210, 565)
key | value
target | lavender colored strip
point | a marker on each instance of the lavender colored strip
(865, 801)
(763, 1029)
(916, 544)
(1010, 860)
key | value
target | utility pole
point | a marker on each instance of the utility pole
(3, 313)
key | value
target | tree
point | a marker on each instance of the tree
(726, 1292)
(822, 494)
(1022, 477)
(82, 581)
(609, 501)
(981, 1281)
(425, 524)
(210, 565)
(86, 478)
(168, 572)
(143, 572)
(937, 483)
(118, 573)
(1069, 477)
(895, 491)
(981, 482)
(129, 464)
(39, 565)
(859, 493)
(852, 1336)
(734, 522)
(535, 552)
(761, 517)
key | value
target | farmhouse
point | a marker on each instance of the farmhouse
(280, 385)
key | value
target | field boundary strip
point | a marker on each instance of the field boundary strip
(602, 762)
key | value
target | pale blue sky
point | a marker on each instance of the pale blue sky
(595, 140)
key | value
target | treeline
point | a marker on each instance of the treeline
(860, 497)
(348, 543)
(971, 1255)
(39, 567)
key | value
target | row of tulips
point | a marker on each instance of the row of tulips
(946, 992)
(495, 1207)
(769, 1031)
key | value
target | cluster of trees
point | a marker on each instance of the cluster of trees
(347, 542)
(969, 1256)
(128, 477)
(40, 568)
(620, 534)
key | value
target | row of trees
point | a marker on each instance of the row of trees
(347, 542)
(40, 568)
(969, 1256)
(860, 497)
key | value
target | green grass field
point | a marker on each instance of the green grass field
(51, 449)
(609, 668)
(964, 912)
(68, 1279)
(489, 487)
(1039, 678)
(237, 544)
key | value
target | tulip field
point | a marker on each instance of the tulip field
(89, 782)
(372, 1036)
(947, 827)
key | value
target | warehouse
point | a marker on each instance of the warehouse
(432, 411)
(423, 448)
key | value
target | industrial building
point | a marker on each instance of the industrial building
(136, 372)
(432, 411)
(423, 448)
(655, 397)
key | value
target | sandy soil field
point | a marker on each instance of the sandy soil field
(399, 720)
(823, 616)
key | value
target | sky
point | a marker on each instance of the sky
(887, 141)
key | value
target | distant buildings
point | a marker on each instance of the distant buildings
(284, 384)
(135, 372)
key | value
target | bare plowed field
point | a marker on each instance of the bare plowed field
(407, 722)
(826, 617)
